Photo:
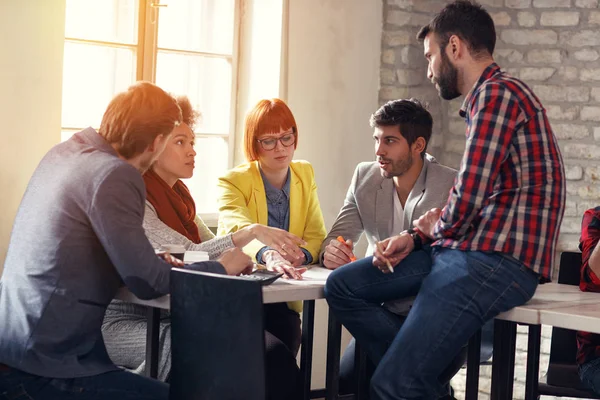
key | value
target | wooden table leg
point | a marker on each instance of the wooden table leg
(533, 362)
(152, 337)
(306, 352)
(334, 343)
(473, 356)
(360, 368)
(503, 363)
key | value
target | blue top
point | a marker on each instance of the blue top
(278, 206)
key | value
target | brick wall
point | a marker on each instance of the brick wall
(554, 46)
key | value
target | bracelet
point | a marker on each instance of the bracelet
(417, 239)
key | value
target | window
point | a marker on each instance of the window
(187, 47)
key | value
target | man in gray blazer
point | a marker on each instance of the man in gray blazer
(369, 206)
(76, 238)
(385, 197)
(386, 194)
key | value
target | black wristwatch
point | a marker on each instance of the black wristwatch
(417, 240)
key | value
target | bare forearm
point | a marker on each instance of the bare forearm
(244, 236)
(594, 262)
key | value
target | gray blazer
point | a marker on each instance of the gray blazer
(76, 238)
(369, 203)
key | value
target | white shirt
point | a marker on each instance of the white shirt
(398, 220)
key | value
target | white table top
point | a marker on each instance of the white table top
(563, 306)
(309, 288)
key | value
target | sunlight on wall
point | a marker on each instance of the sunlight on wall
(32, 38)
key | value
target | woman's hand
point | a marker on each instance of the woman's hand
(285, 243)
(296, 262)
(275, 262)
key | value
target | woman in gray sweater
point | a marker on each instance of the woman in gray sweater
(170, 218)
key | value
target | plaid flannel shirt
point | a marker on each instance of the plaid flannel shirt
(588, 344)
(509, 194)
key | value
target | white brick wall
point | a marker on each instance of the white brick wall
(554, 46)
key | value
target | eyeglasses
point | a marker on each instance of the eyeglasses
(286, 140)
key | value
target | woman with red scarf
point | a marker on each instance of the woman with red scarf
(170, 218)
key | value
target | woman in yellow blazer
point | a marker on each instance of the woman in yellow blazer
(273, 190)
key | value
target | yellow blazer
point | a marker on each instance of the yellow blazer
(243, 201)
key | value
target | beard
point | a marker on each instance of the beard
(448, 80)
(399, 167)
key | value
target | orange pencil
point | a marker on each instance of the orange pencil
(342, 240)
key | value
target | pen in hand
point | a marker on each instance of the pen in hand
(387, 262)
(343, 241)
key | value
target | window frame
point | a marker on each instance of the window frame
(146, 51)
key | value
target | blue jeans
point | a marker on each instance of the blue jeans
(121, 385)
(457, 292)
(589, 373)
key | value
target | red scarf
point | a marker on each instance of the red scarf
(174, 206)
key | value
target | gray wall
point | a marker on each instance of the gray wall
(332, 85)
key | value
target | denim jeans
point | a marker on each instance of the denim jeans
(589, 373)
(457, 292)
(121, 385)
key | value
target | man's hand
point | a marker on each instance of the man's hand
(174, 261)
(235, 261)
(337, 254)
(275, 262)
(426, 222)
(395, 249)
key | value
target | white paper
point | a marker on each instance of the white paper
(195, 256)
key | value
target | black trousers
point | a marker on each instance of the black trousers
(283, 336)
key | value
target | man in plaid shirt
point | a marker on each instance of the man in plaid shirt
(588, 344)
(495, 239)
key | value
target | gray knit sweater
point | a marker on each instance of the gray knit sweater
(124, 327)
(159, 233)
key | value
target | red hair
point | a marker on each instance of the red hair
(134, 118)
(267, 116)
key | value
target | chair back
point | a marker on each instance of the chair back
(570, 268)
(563, 347)
(217, 337)
(562, 368)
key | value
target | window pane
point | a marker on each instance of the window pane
(105, 20)
(92, 75)
(211, 163)
(205, 80)
(197, 25)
